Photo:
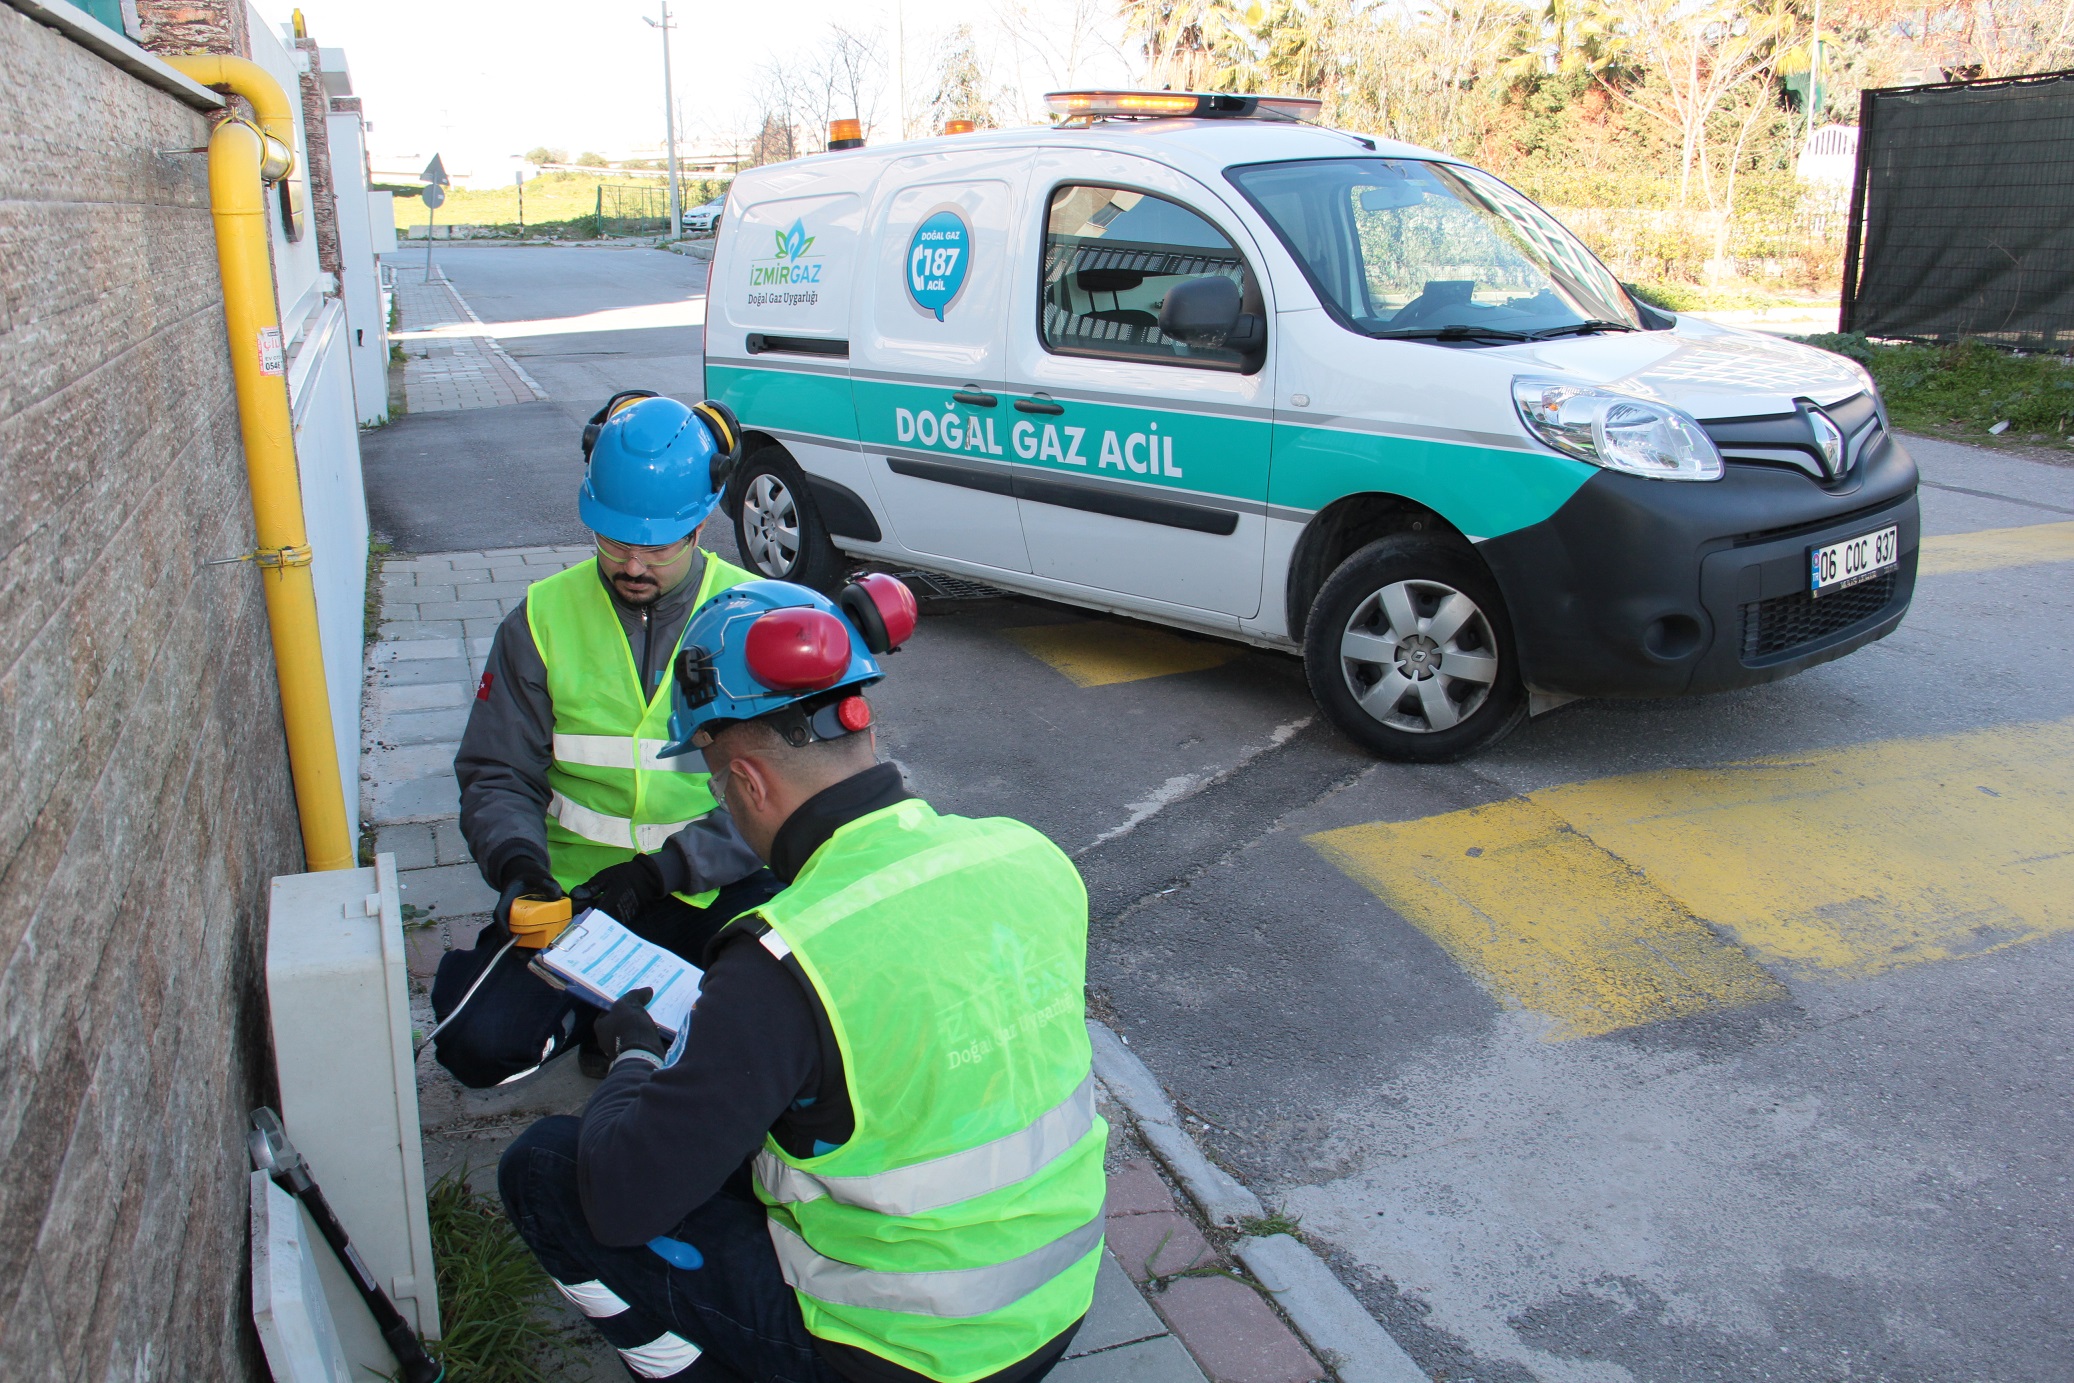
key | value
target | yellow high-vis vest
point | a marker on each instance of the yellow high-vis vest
(960, 1227)
(613, 793)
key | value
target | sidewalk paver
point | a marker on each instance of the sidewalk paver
(450, 361)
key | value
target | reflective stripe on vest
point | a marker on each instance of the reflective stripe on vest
(942, 1181)
(954, 1293)
(614, 751)
(600, 829)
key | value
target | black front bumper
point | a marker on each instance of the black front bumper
(1641, 587)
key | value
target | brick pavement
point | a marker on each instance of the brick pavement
(449, 362)
(1190, 1319)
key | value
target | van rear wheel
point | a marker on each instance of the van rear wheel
(1409, 651)
(778, 529)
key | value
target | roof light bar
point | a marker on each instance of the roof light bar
(959, 126)
(1096, 105)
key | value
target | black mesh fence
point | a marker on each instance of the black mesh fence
(1962, 214)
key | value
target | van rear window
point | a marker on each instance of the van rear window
(1110, 255)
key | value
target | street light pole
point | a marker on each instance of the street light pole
(670, 125)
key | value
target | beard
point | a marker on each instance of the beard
(644, 591)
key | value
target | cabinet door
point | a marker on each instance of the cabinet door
(1142, 461)
(930, 359)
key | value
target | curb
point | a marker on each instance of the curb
(1329, 1317)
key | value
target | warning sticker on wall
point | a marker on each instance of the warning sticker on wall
(273, 360)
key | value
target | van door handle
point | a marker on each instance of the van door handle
(975, 398)
(1040, 404)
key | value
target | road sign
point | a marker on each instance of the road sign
(435, 171)
(434, 194)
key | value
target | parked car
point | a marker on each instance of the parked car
(1309, 390)
(705, 217)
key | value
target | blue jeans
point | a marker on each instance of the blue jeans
(732, 1318)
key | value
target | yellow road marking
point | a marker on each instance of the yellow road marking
(1833, 865)
(1097, 653)
(1993, 548)
(1548, 919)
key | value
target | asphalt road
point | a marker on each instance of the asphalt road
(1725, 1038)
(586, 322)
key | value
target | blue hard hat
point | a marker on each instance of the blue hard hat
(769, 646)
(655, 472)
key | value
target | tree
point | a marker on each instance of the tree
(540, 155)
(588, 159)
(962, 89)
(1192, 45)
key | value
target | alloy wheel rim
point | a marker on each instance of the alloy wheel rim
(1419, 656)
(770, 525)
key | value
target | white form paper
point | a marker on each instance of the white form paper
(600, 960)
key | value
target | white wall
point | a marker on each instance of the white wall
(327, 455)
(367, 326)
(327, 430)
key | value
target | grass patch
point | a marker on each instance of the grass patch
(551, 197)
(1961, 391)
(489, 1290)
(371, 606)
(1692, 297)
(1275, 1222)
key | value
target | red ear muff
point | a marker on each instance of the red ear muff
(882, 608)
(800, 649)
(612, 405)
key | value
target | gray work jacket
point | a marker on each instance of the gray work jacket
(509, 742)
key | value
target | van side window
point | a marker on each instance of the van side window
(1110, 255)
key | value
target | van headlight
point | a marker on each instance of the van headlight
(1617, 431)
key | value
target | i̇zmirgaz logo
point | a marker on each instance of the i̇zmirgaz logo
(791, 267)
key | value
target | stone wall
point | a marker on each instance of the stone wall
(317, 142)
(148, 800)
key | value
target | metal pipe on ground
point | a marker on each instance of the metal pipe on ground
(243, 158)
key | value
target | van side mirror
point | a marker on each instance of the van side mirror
(1205, 312)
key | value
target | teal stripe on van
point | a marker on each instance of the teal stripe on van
(1141, 444)
(1484, 491)
(785, 400)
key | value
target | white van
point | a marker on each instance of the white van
(1190, 359)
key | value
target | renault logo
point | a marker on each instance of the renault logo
(1829, 440)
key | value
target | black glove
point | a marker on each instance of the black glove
(524, 877)
(626, 1027)
(623, 890)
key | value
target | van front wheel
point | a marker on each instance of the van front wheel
(778, 530)
(1409, 651)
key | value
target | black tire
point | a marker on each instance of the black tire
(1420, 578)
(772, 490)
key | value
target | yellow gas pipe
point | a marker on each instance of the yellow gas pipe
(242, 160)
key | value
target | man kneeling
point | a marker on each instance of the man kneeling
(873, 1154)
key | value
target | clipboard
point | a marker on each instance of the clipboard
(598, 960)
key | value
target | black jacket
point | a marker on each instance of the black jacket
(658, 1142)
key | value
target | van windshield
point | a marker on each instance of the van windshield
(1420, 250)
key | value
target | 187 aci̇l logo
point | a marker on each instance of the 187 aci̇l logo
(937, 260)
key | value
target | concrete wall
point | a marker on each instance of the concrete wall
(148, 799)
(360, 282)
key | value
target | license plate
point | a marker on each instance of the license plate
(1853, 560)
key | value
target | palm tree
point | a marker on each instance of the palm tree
(1192, 45)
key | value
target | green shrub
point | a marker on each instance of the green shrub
(1965, 389)
(490, 1292)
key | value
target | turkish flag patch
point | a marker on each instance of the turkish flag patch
(482, 691)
